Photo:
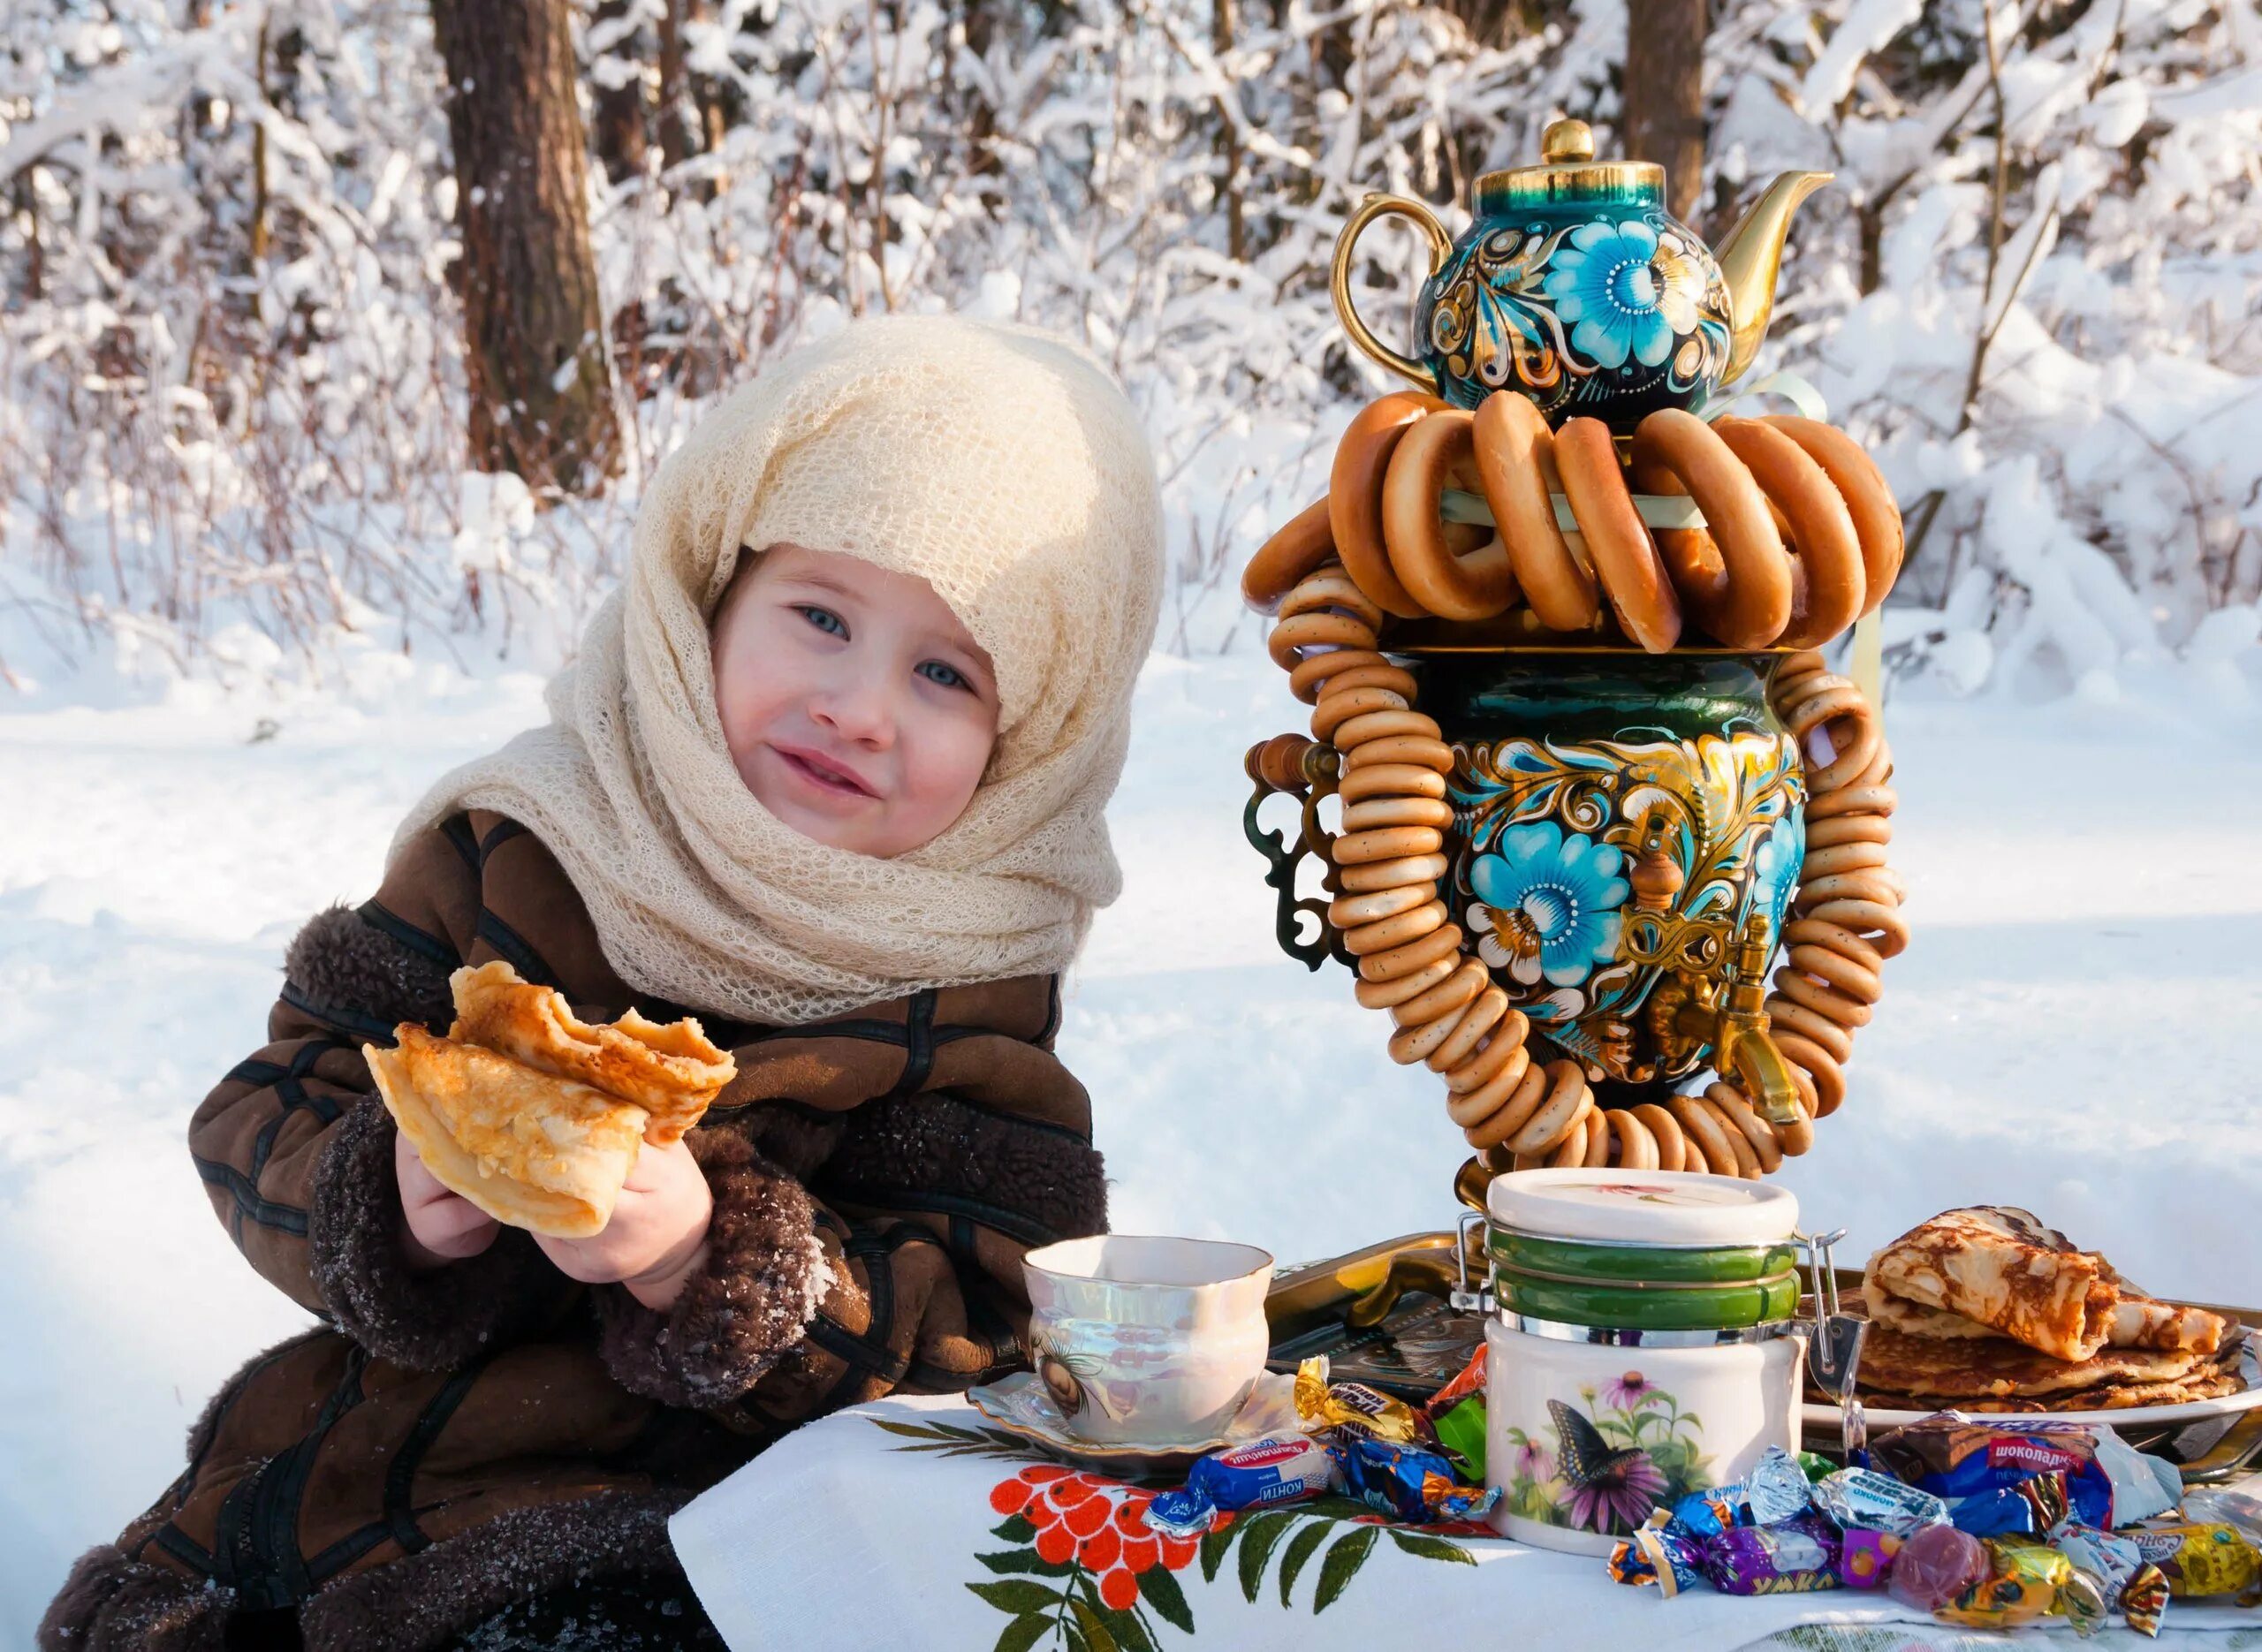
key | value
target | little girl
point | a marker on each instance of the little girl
(829, 773)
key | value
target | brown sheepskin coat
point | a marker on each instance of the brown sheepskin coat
(450, 1441)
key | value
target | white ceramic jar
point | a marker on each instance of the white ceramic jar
(1645, 1344)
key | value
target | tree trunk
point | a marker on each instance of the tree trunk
(675, 132)
(1224, 26)
(1664, 94)
(620, 136)
(534, 332)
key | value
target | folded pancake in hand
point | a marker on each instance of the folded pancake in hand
(1995, 1270)
(669, 1070)
(530, 1149)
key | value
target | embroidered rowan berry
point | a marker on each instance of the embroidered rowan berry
(1101, 1549)
(1054, 1545)
(1141, 1553)
(1008, 1497)
(1177, 1552)
(1038, 1473)
(1119, 1589)
(1087, 1517)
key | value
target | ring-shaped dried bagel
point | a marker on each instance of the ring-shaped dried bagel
(1376, 726)
(1471, 1108)
(1746, 1161)
(1841, 857)
(1396, 679)
(1309, 674)
(1437, 452)
(1757, 1134)
(1330, 592)
(1833, 829)
(1733, 575)
(1636, 1148)
(1568, 1097)
(1298, 545)
(1483, 1066)
(1821, 1066)
(1423, 749)
(1415, 868)
(1457, 991)
(1354, 485)
(1348, 912)
(1706, 1135)
(1788, 1016)
(1303, 631)
(1798, 1138)
(1489, 1009)
(1882, 926)
(1598, 1138)
(1383, 934)
(1875, 884)
(1519, 1100)
(1664, 1130)
(1839, 972)
(1372, 812)
(1339, 706)
(1625, 557)
(1880, 800)
(1385, 842)
(1876, 517)
(1390, 780)
(1515, 460)
(1827, 581)
(1382, 995)
(1404, 960)
(1413, 1043)
(1822, 998)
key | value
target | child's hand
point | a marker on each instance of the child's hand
(657, 1236)
(438, 1227)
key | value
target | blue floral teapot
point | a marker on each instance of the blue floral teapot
(1575, 286)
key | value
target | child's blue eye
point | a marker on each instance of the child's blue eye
(823, 618)
(948, 676)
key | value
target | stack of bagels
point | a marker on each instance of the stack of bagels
(1800, 537)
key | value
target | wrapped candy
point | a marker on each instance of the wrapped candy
(1784, 1556)
(1471, 1380)
(2109, 1484)
(1461, 1432)
(2127, 1578)
(1862, 1498)
(1345, 1409)
(1865, 1557)
(2024, 1581)
(1278, 1469)
(2028, 1509)
(2202, 1559)
(1937, 1564)
(1407, 1482)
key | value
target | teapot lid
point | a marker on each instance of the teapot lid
(1568, 175)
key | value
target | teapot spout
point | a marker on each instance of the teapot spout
(1750, 259)
(1742, 1045)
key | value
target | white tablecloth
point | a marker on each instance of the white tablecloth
(911, 1523)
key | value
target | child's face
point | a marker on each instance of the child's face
(856, 706)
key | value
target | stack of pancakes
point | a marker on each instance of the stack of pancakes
(1986, 1309)
(531, 1113)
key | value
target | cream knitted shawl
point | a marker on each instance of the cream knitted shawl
(1001, 465)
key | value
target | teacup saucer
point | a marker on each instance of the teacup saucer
(1023, 1406)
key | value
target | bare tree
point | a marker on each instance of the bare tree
(621, 138)
(540, 380)
(1665, 94)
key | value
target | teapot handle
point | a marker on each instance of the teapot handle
(1375, 207)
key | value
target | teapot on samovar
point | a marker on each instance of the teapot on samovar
(1620, 834)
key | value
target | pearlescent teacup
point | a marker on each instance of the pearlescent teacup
(1148, 1341)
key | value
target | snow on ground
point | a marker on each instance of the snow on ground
(2073, 1030)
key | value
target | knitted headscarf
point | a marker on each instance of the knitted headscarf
(999, 464)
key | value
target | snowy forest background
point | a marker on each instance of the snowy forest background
(237, 434)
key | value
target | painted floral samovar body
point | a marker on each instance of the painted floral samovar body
(1576, 287)
(1627, 832)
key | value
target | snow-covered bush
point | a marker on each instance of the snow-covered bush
(230, 383)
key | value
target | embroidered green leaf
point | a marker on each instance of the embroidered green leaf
(1255, 1548)
(1074, 1636)
(1307, 1538)
(1019, 1561)
(1423, 1547)
(1024, 1632)
(1017, 1595)
(1214, 1544)
(1341, 1564)
(1015, 1529)
(1096, 1635)
(908, 1430)
(1159, 1589)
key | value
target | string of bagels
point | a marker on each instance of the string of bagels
(1799, 537)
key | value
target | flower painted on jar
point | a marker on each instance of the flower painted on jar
(1775, 869)
(1624, 292)
(1629, 1391)
(1549, 904)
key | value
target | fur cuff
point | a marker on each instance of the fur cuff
(109, 1603)
(342, 961)
(1041, 1183)
(748, 1303)
(428, 1321)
